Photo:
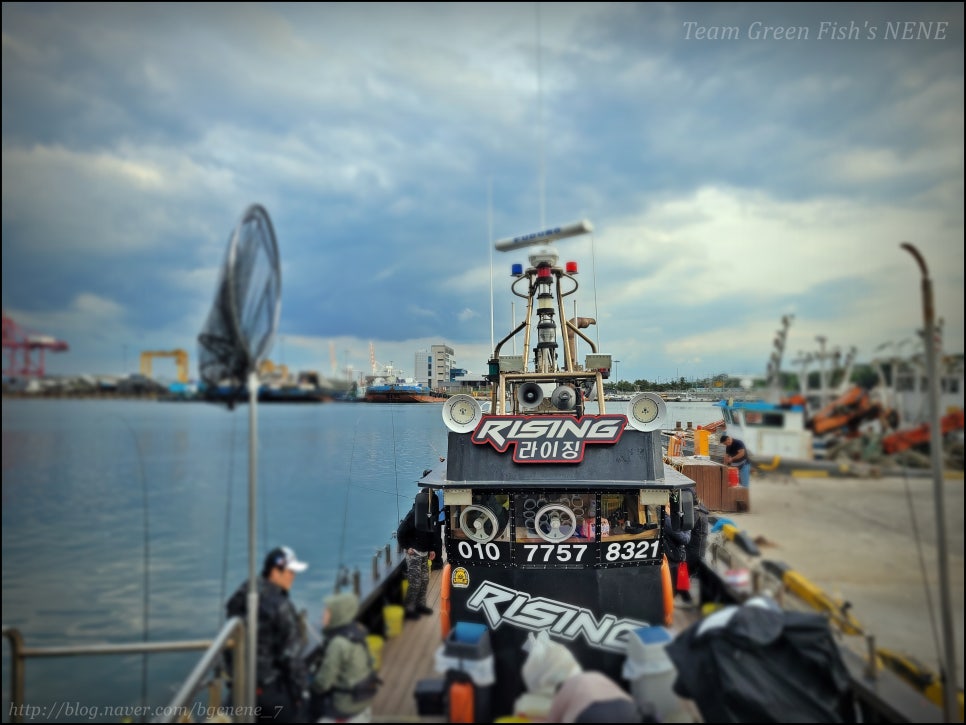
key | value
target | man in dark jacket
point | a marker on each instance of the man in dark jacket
(421, 543)
(281, 674)
(736, 454)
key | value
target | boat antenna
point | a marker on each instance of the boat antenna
(950, 707)
(540, 128)
(489, 236)
(593, 263)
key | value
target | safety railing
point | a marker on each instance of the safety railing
(181, 708)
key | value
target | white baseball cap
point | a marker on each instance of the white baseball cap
(283, 556)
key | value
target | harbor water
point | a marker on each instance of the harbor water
(127, 521)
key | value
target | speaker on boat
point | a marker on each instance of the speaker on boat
(530, 395)
(483, 522)
(564, 398)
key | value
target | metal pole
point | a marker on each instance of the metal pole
(950, 685)
(252, 625)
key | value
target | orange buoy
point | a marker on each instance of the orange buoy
(668, 589)
(444, 623)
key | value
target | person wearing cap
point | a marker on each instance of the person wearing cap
(281, 674)
(736, 454)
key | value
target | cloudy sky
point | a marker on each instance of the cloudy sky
(738, 162)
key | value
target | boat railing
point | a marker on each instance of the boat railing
(180, 709)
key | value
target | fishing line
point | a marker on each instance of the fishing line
(343, 570)
(436, 450)
(395, 466)
(145, 605)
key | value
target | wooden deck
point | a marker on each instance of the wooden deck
(407, 659)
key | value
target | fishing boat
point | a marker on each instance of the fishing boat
(553, 511)
(526, 486)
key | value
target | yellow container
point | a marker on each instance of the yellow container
(375, 644)
(392, 615)
(701, 442)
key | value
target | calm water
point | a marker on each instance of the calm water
(122, 517)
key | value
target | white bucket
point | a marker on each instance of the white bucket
(652, 674)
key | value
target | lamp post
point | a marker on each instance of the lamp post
(616, 379)
(950, 708)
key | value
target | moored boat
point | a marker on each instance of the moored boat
(402, 393)
(389, 387)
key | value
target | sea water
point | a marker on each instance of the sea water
(127, 521)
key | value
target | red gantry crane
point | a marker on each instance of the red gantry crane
(24, 352)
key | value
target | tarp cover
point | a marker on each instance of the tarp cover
(758, 663)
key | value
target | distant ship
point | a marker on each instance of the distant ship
(390, 388)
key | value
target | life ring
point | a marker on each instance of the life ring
(668, 588)
(444, 599)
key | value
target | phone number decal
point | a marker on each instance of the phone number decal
(631, 550)
(563, 553)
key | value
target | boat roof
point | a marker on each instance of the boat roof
(437, 478)
(759, 405)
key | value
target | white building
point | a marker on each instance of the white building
(433, 367)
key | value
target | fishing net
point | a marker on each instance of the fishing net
(244, 316)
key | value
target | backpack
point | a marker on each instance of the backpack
(366, 688)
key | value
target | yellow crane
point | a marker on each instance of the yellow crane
(180, 359)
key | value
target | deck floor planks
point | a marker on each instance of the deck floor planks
(408, 658)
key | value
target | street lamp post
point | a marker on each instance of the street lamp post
(616, 379)
(950, 708)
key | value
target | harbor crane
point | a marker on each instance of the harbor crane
(24, 352)
(181, 360)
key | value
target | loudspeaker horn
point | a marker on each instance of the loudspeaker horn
(564, 398)
(530, 395)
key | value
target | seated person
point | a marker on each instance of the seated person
(590, 521)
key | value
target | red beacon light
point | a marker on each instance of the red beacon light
(571, 267)
(544, 272)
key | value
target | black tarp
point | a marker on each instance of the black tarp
(758, 663)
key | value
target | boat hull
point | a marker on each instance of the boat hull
(396, 394)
